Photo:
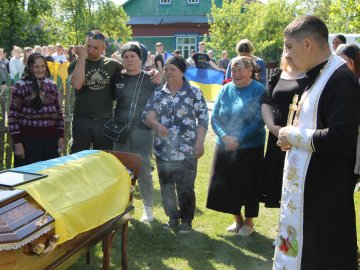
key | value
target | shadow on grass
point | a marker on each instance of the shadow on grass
(150, 247)
(157, 200)
(196, 250)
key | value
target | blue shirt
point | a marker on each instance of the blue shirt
(237, 112)
(181, 115)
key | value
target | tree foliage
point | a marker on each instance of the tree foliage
(267, 25)
(42, 22)
(344, 16)
(263, 24)
(21, 22)
(319, 8)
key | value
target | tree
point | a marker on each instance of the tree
(72, 20)
(319, 8)
(226, 25)
(262, 24)
(114, 25)
(344, 16)
(267, 25)
(21, 22)
(42, 22)
(80, 16)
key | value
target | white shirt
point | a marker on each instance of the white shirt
(16, 66)
(59, 58)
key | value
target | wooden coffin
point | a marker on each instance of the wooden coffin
(27, 234)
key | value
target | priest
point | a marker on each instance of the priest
(317, 203)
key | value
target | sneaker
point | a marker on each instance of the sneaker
(147, 214)
(172, 224)
(185, 227)
(246, 230)
(234, 228)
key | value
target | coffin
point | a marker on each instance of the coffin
(28, 238)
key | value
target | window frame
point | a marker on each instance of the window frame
(186, 47)
(168, 2)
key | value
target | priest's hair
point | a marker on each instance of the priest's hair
(308, 26)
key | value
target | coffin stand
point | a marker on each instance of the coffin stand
(27, 231)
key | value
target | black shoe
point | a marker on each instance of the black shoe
(185, 227)
(172, 224)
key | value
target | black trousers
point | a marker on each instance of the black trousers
(177, 180)
(87, 133)
(37, 149)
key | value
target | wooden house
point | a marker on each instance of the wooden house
(178, 24)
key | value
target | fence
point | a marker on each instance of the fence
(66, 95)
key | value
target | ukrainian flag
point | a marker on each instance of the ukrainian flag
(167, 55)
(208, 80)
(59, 71)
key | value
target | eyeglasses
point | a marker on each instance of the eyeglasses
(95, 36)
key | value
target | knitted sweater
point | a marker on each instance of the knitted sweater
(24, 120)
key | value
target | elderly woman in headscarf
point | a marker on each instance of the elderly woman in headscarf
(178, 114)
(35, 116)
(238, 157)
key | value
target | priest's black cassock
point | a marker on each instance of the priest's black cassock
(329, 226)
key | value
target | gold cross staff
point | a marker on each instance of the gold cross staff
(292, 110)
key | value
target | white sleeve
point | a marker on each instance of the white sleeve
(301, 137)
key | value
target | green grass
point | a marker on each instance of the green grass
(208, 247)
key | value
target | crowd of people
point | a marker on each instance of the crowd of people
(16, 63)
(310, 105)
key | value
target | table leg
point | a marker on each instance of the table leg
(124, 237)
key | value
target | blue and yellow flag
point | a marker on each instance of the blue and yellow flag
(208, 80)
(81, 191)
(59, 70)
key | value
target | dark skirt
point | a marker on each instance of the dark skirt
(271, 180)
(37, 149)
(235, 181)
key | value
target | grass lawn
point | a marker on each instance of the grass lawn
(208, 247)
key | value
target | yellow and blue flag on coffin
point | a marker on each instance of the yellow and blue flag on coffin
(208, 80)
(81, 191)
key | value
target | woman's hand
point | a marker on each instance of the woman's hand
(161, 130)
(199, 150)
(155, 76)
(231, 143)
(19, 150)
(275, 130)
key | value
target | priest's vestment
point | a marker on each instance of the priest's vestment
(317, 218)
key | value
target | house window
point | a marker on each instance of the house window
(193, 1)
(185, 44)
(165, 2)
